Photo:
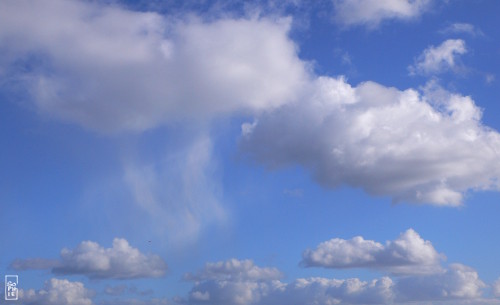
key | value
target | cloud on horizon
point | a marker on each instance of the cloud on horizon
(408, 254)
(57, 292)
(242, 282)
(451, 286)
(121, 261)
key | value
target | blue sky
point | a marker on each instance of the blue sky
(250, 152)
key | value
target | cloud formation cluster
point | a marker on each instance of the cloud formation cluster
(415, 274)
(111, 69)
(408, 254)
(458, 283)
(121, 261)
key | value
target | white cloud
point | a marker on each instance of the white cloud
(231, 282)
(333, 291)
(496, 288)
(241, 282)
(181, 193)
(459, 28)
(452, 286)
(458, 282)
(372, 12)
(119, 262)
(57, 292)
(442, 58)
(110, 69)
(408, 254)
(425, 147)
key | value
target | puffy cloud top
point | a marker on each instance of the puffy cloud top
(57, 292)
(425, 147)
(456, 284)
(409, 253)
(118, 262)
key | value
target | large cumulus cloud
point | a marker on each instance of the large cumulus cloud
(424, 146)
(111, 69)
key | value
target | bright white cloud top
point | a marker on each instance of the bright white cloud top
(408, 254)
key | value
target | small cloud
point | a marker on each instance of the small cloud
(118, 262)
(57, 292)
(496, 288)
(371, 13)
(408, 254)
(435, 60)
(344, 56)
(457, 282)
(462, 28)
(489, 78)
